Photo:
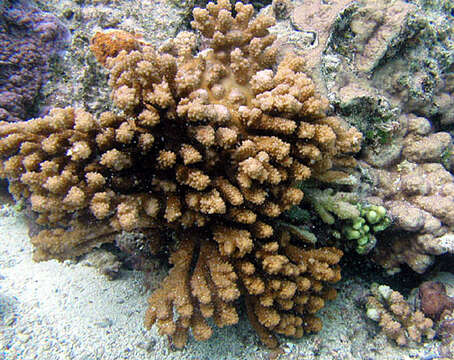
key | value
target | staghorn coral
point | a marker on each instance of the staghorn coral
(208, 144)
(396, 318)
(418, 193)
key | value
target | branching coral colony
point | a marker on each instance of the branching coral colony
(209, 145)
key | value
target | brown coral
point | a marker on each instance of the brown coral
(210, 145)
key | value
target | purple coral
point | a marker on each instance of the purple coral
(29, 37)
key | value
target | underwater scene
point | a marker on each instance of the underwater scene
(220, 180)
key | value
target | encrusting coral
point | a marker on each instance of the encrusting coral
(210, 146)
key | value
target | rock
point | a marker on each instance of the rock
(447, 279)
(383, 155)
(412, 184)
(438, 206)
(434, 299)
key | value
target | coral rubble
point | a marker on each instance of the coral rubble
(209, 144)
(446, 332)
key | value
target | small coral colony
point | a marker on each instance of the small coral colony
(213, 146)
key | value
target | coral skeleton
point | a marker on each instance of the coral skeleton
(209, 144)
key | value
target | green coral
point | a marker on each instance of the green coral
(373, 219)
(330, 205)
(350, 218)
